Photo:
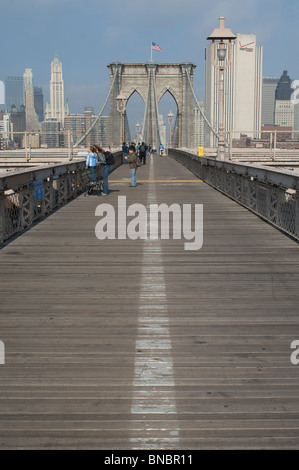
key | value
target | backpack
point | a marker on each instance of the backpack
(142, 149)
(110, 160)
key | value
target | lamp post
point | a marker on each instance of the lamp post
(121, 108)
(170, 122)
(138, 129)
(222, 38)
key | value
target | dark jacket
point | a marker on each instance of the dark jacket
(132, 159)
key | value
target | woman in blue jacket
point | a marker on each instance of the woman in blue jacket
(92, 162)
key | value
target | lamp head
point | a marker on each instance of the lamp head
(222, 33)
(221, 53)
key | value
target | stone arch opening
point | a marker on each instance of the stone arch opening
(168, 103)
(135, 112)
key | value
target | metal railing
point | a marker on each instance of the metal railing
(27, 196)
(271, 194)
(276, 144)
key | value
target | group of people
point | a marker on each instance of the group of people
(134, 155)
(95, 158)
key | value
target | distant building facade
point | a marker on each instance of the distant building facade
(39, 103)
(268, 101)
(284, 108)
(14, 92)
(199, 126)
(79, 124)
(31, 116)
(51, 136)
(57, 109)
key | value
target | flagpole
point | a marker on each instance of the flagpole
(151, 51)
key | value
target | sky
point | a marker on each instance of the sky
(89, 34)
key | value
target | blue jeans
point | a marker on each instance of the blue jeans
(106, 169)
(93, 174)
(133, 177)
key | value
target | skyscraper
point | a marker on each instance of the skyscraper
(268, 100)
(14, 92)
(242, 89)
(56, 109)
(31, 116)
(39, 103)
(284, 108)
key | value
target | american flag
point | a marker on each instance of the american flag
(156, 47)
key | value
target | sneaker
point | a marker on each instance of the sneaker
(104, 194)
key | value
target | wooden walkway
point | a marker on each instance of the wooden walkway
(122, 344)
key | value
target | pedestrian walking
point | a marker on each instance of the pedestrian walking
(132, 159)
(125, 150)
(142, 152)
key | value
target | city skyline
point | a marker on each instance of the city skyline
(85, 49)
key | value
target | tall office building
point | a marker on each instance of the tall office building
(31, 116)
(268, 101)
(242, 89)
(14, 92)
(57, 109)
(39, 103)
(284, 108)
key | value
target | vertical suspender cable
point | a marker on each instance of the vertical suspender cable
(200, 107)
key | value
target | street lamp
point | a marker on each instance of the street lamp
(170, 122)
(222, 38)
(121, 102)
(138, 129)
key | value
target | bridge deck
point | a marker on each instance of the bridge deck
(127, 344)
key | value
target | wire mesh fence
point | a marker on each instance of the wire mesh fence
(271, 194)
(26, 197)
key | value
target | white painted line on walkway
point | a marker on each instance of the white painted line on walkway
(154, 385)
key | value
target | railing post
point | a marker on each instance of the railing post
(25, 144)
(275, 144)
(297, 214)
(70, 145)
(2, 217)
(270, 144)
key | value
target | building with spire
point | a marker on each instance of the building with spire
(57, 109)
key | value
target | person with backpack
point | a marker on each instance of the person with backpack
(125, 149)
(132, 160)
(92, 162)
(142, 152)
(106, 160)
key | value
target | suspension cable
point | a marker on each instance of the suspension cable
(156, 110)
(100, 114)
(200, 107)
